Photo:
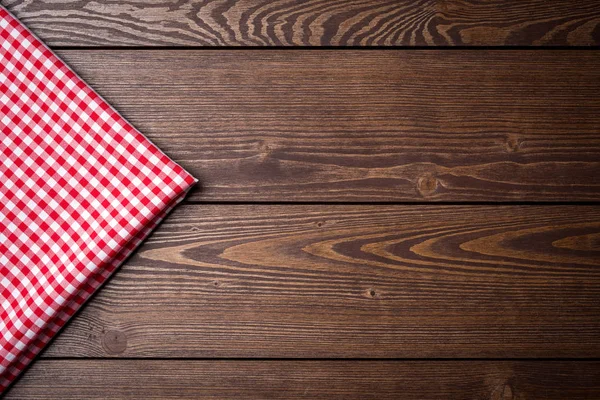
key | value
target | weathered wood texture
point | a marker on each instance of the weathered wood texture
(312, 22)
(147, 379)
(346, 281)
(353, 281)
(292, 125)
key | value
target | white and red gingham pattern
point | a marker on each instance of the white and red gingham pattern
(80, 188)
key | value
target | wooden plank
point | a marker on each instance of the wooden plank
(353, 281)
(293, 379)
(287, 125)
(312, 22)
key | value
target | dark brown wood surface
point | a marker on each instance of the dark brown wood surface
(353, 281)
(380, 125)
(406, 300)
(293, 379)
(312, 22)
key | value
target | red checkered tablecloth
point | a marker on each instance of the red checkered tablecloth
(80, 188)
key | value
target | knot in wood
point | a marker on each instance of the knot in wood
(512, 144)
(427, 185)
(503, 392)
(114, 342)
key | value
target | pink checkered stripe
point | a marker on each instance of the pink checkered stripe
(80, 188)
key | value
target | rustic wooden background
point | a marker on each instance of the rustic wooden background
(398, 199)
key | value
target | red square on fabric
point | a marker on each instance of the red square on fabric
(80, 188)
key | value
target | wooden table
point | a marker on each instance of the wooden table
(415, 218)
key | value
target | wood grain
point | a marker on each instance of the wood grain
(287, 125)
(238, 379)
(353, 281)
(312, 22)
